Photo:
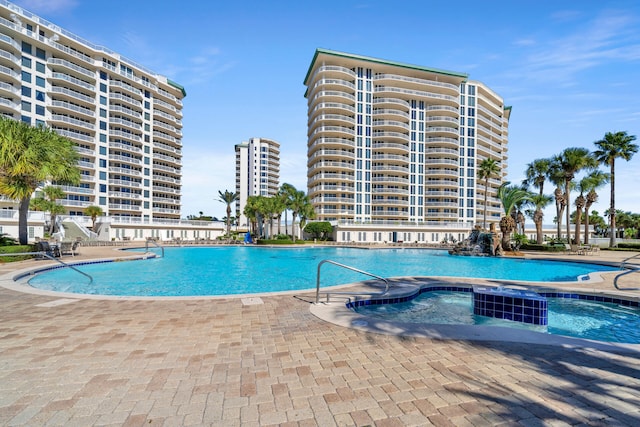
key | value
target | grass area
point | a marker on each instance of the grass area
(15, 249)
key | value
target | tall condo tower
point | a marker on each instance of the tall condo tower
(257, 171)
(392, 143)
(125, 119)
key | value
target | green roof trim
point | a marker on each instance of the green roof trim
(380, 61)
(177, 86)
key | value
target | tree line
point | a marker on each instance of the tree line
(575, 169)
(262, 209)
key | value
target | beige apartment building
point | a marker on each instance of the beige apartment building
(393, 148)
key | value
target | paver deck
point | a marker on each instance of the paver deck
(221, 362)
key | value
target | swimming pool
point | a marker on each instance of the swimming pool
(233, 270)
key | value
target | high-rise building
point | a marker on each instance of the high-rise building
(124, 119)
(257, 172)
(392, 143)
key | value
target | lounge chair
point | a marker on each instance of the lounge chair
(52, 251)
(69, 248)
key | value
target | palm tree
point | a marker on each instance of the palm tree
(251, 211)
(539, 201)
(571, 161)
(30, 156)
(486, 169)
(94, 212)
(307, 213)
(555, 176)
(286, 193)
(537, 173)
(608, 149)
(228, 197)
(299, 203)
(510, 196)
(45, 201)
(589, 184)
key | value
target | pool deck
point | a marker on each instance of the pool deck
(267, 360)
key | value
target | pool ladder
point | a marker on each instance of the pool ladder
(623, 265)
(328, 293)
(52, 258)
(154, 243)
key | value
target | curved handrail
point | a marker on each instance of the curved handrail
(386, 289)
(46, 255)
(146, 247)
(624, 273)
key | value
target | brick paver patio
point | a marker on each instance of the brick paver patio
(223, 362)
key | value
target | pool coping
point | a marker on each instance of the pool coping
(339, 314)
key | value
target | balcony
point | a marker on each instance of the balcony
(125, 123)
(324, 142)
(125, 159)
(125, 195)
(167, 169)
(72, 80)
(392, 103)
(390, 125)
(125, 171)
(73, 95)
(126, 135)
(124, 183)
(74, 203)
(74, 135)
(390, 114)
(73, 107)
(165, 105)
(55, 63)
(391, 136)
(167, 159)
(59, 118)
(125, 98)
(165, 137)
(125, 147)
(334, 71)
(8, 58)
(333, 154)
(410, 94)
(122, 85)
(162, 178)
(124, 207)
(331, 166)
(165, 147)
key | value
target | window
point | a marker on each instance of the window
(103, 200)
(26, 106)
(103, 137)
(103, 75)
(103, 188)
(103, 163)
(40, 53)
(40, 110)
(103, 112)
(40, 67)
(39, 95)
(26, 92)
(103, 125)
(26, 77)
(26, 48)
(25, 119)
(103, 100)
(26, 62)
(103, 87)
(39, 81)
(103, 151)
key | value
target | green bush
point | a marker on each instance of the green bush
(279, 242)
(635, 246)
(542, 248)
(16, 249)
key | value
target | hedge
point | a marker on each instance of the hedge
(16, 250)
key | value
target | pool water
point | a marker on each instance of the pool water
(567, 316)
(232, 270)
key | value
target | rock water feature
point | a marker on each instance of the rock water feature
(479, 243)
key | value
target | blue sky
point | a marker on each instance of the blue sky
(569, 70)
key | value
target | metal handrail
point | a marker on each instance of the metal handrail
(146, 247)
(624, 273)
(386, 289)
(46, 255)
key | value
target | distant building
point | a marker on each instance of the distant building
(257, 172)
(393, 144)
(125, 119)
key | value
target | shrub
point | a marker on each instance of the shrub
(16, 249)
(629, 245)
(542, 248)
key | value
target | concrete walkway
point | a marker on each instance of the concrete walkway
(269, 361)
